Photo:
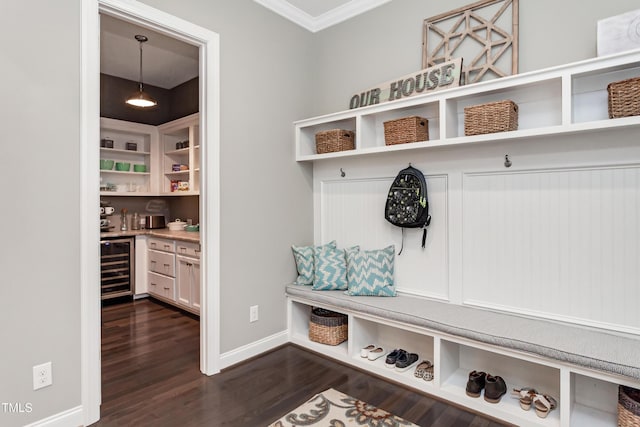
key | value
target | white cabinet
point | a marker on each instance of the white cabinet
(188, 283)
(161, 266)
(561, 100)
(174, 272)
(180, 148)
(131, 144)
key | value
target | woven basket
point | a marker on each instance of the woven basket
(624, 98)
(327, 327)
(501, 116)
(406, 129)
(329, 141)
(628, 407)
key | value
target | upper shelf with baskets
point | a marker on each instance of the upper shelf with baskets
(561, 100)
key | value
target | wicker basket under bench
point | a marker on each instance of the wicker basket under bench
(328, 327)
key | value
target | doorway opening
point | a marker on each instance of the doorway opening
(207, 44)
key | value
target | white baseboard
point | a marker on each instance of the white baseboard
(70, 417)
(253, 349)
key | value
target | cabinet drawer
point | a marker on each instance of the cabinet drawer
(162, 285)
(162, 245)
(188, 249)
(162, 262)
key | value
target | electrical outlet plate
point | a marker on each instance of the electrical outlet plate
(42, 376)
(253, 313)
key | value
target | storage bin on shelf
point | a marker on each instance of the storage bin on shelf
(500, 116)
(329, 141)
(406, 129)
(327, 327)
(624, 98)
(628, 407)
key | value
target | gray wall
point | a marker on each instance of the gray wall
(39, 257)
(267, 64)
(266, 197)
(387, 42)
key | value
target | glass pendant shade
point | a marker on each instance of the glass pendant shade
(141, 98)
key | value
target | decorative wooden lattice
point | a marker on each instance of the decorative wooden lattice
(484, 34)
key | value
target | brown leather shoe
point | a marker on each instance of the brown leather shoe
(494, 389)
(475, 384)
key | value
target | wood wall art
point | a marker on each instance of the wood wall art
(484, 34)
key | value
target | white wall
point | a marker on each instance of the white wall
(39, 259)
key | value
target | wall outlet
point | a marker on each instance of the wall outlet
(253, 313)
(42, 376)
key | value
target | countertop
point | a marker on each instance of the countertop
(165, 233)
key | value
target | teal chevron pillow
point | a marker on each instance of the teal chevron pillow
(371, 272)
(330, 268)
(304, 262)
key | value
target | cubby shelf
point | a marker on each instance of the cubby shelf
(584, 397)
(557, 101)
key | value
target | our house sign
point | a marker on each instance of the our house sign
(441, 76)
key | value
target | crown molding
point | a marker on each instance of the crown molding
(327, 19)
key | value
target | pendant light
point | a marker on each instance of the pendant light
(141, 98)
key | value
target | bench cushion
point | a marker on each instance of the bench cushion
(615, 353)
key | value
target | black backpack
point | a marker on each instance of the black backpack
(407, 204)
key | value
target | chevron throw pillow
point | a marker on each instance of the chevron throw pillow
(330, 269)
(370, 273)
(304, 262)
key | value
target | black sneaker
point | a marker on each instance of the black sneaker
(390, 361)
(405, 361)
(476, 383)
(494, 389)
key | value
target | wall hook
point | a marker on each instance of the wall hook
(342, 173)
(507, 162)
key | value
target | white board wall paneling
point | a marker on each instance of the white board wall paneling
(351, 211)
(557, 243)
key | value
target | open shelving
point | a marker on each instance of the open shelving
(173, 136)
(560, 100)
(584, 397)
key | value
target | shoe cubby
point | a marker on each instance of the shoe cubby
(299, 315)
(366, 332)
(458, 360)
(593, 402)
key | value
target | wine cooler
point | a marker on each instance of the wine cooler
(117, 267)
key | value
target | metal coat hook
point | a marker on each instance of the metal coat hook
(342, 173)
(507, 162)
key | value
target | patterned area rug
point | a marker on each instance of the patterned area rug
(334, 409)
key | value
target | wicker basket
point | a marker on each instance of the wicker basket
(406, 129)
(501, 116)
(327, 327)
(329, 141)
(624, 98)
(628, 407)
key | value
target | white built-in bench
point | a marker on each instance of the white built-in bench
(579, 356)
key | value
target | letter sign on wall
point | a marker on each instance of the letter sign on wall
(442, 76)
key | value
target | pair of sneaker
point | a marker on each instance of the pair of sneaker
(494, 386)
(372, 352)
(401, 360)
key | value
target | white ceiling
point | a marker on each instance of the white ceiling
(168, 62)
(316, 15)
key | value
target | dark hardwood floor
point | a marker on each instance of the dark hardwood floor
(151, 377)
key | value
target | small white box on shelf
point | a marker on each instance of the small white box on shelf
(619, 33)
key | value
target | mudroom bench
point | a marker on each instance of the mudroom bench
(580, 366)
